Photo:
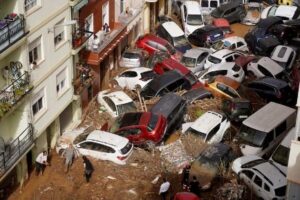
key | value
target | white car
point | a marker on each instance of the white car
(97, 144)
(261, 176)
(116, 103)
(283, 11)
(229, 69)
(132, 58)
(194, 59)
(284, 56)
(221, 56)
(211, 127)
(254, 10)
(232, 43)
(264, 66)
(134, 78)
(191, 16)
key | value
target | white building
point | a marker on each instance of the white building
(34, 109)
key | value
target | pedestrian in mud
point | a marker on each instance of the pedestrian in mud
(185, 177)
(41, 162)
(194, 186)
(69, 155)
(164, 189)
(88, 168)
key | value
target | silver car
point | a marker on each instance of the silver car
(132, 58)
(194, 59)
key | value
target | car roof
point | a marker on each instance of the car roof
(108, 138)
(196, 52)
(162, 80)
(270, 65)
(286, 11)
(266, 23)
(173, 29)
(222, 53)
(154, 38)
(206, 122)
(272, 173)
(193, 7)
(195, 93)
(166, 104)
(222, 66)
(215, 151)
(176, 65)
(118, 97)
(268, 116)
(274, 82)
(286, 53)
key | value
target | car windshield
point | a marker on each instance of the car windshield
(127, 148)
(281, 155)
(152, 122)
(253, 163)
(194, 20)
(180, 41)
(188, 61)
(218, 45)
(213, 59)
(81, 137)
(127, 107)
(251, 136)
(198, 133)
(280, 191)
(170, 48)
(131, 55)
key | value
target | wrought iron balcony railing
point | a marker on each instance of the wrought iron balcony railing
(14, 92)
(12, 28)
(10, 153)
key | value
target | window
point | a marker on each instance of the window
(248, 174)
(102, 148)
(129, 74)
(202, 57)
(258, 181)
(239, 44)
(28, 4)
(110, 103)
(266, 187)
(35, 51)
(280, 129)
(212, 132)
(122, 3)
(38, 102)
(61, 81)
(264, 71)
(86, 145)
(59, 33)
(229, 59)
(204, 3)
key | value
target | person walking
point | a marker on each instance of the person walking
(41, 162)
(69, 155)
(88, 168)
(194, 185)
(164, 189)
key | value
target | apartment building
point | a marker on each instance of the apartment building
(100, 51)
(36, 95)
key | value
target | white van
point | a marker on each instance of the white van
(280, 156)
(265, 128)
(209, 5)
(191, 16)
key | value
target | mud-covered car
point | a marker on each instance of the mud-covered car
(233, 11)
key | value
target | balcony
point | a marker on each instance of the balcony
(85, 77)
(11, 152)
(79, 40)
(13, 93)
(97, 51)
(12, 29)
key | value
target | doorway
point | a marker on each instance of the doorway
(29, 161)
(105, 13)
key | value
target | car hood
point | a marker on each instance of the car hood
(237, 163)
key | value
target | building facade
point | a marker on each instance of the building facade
(36, 99)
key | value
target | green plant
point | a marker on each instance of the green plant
(4, 107)
(198, 113)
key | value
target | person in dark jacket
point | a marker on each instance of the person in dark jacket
(194, 186)
(88, 168)
(185, 177)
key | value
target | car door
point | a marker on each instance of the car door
(257, 186)
(134, 134)
(111, 107)
(246, 176)
(104, 152)
(87, 148)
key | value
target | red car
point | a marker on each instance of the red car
(186, 196)
(141, 128)
(152, 43)
(223, 24)
(171, 64)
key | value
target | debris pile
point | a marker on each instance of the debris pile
(231, 191)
